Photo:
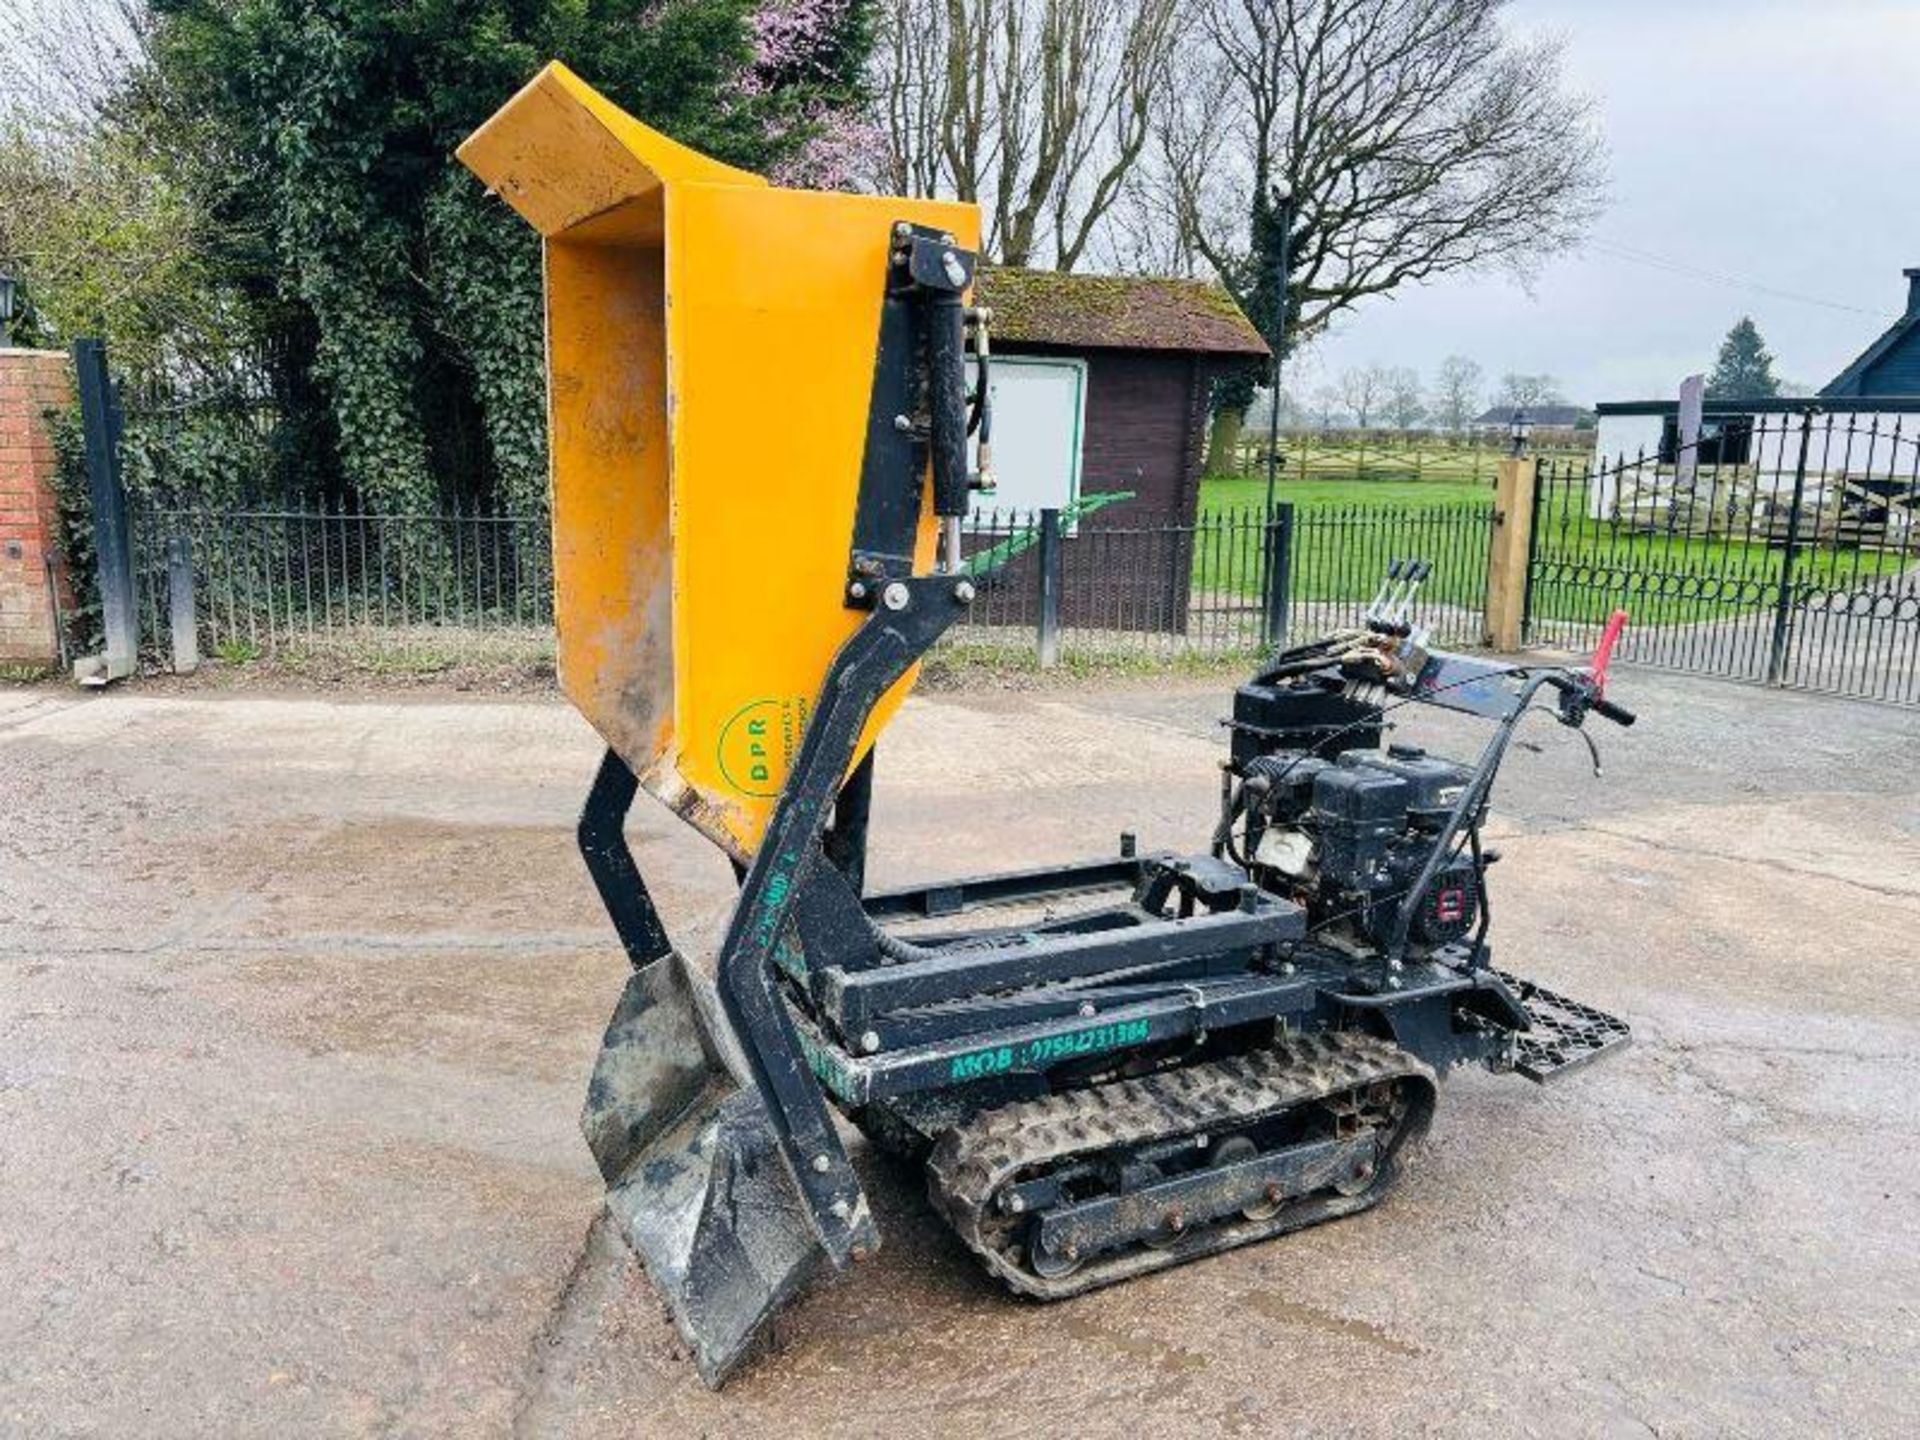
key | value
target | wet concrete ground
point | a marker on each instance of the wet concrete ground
(298, 997)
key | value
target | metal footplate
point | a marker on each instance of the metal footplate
(1073, 1191)
(1565, 1034)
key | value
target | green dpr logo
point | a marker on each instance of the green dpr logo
(757, 745)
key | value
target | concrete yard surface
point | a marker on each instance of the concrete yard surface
(299, 995)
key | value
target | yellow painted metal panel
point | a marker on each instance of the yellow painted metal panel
(606, 409)
(711, 346)
(778, 298)
(560, 153)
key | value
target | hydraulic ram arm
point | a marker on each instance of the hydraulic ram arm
(920, 355)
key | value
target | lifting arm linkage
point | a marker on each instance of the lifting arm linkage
(603, 845)
(925, 277)
(871, 661)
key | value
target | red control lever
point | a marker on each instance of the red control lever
(1603, 652)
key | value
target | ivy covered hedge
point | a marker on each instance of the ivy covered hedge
(386, 309)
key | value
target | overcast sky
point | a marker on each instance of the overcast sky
(1772, 142)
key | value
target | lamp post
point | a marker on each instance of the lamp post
(1520, 429)
(1276, 342)
(1272, 580)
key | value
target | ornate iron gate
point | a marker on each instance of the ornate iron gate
(1782, 546)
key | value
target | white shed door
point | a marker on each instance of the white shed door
(1039, 412)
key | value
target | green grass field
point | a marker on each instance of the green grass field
(1348, 531)
(1232, 492)
(1346, 534)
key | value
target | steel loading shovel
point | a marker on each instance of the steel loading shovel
(695, 1180)
(723, 1167)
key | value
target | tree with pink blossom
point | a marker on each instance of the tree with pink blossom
(813, 51)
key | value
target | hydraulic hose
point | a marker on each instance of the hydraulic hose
(905, 952)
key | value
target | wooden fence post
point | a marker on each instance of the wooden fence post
(1510, 552)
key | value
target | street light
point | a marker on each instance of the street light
(1276, 342)
(1521, 428)
(1274, 611)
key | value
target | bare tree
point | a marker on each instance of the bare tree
(1326, 406)
(1037, 109)
(1362, 390)
(1527, 392)
(1402, 403)
(66, 58)
(1415, 139)
(1293, 410)
(1456, 392)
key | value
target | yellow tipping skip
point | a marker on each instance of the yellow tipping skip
(710, 349)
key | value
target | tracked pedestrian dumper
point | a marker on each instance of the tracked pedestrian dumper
(759, 414)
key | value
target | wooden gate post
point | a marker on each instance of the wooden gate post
(1509, 554)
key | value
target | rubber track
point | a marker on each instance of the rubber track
(972, 1161)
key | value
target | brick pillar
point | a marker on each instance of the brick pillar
(32, 382)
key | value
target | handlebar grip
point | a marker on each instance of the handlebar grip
(1619, 714)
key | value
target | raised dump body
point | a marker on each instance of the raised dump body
(711, 346)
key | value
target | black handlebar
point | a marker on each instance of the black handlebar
(1619, 714)
(1578, 688)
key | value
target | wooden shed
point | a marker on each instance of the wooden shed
(1141, 355)
(1152, 349)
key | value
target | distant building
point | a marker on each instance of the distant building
(1891, 364)
(1859, 478)
(1881, 388)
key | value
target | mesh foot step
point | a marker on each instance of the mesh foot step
(1565, 1033)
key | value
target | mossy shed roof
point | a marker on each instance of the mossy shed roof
(1115, 312)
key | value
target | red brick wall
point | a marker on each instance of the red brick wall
(31, 383)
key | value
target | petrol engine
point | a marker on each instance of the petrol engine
(1347, 837)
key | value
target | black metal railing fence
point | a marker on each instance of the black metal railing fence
(1119, 582)
(1781, 546)
(266, 579)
